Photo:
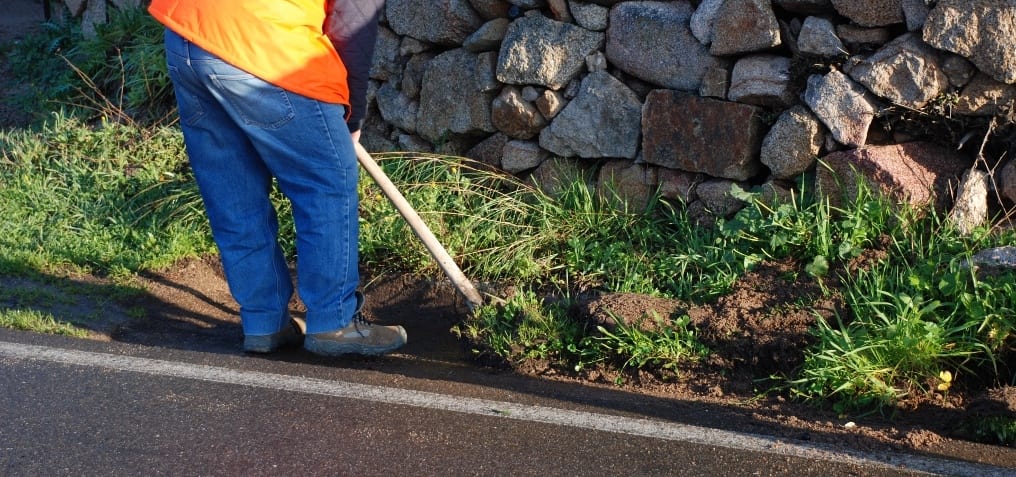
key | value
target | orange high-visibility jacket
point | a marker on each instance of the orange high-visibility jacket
(280, 41)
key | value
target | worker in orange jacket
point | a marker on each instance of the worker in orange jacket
(277, 89)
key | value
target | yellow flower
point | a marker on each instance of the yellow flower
(945, 380)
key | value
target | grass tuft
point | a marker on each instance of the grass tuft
(39, 322)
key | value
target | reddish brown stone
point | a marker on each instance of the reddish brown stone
(626, 186)
(718, 138)
(675, 184)
(918, 173)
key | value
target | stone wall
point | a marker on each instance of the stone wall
(694, 97)
(89, 12)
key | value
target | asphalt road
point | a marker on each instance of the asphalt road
(81, 407)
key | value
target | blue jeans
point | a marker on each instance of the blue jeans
(240, 132)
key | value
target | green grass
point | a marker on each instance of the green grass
(523, 328)
(114, 199)
(39, 322)
(999, 430)
(669, 345)
(921, 311)
(83, 196)
(120, 73)
(486, 221)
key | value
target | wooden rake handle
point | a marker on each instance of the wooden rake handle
(437, 251)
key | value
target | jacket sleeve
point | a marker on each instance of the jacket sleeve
(352, 25)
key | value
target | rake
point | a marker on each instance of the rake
(437, 251)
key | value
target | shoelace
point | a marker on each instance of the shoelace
(359, 320)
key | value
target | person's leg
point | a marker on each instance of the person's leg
(310, 152)
(313, 159)
(234, 185)
(306, 145)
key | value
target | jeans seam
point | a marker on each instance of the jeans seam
(345, 205)
(273, 240)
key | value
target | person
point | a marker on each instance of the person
(277, 90)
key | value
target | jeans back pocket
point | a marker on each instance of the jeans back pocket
(257, 102)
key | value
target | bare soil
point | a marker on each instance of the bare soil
(757, 331)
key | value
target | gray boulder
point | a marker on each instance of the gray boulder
(983, 96)
(793, 143)
(412, 75)
(762, 80)
(1006, 182)
(818, 37)
(602, 121)
(958, 69)
(715, 83)
(550, 102)
(983, 31)
(450, 103)
(844, 106)
(871, 13)
(488, 37)
(396, 108)
(970, 208)
(717, 197)
(676, 184)
(486, 72)
(521, 156)
(906, 71)
(626, 186)
(555, 174)
(703, 20)
(994, 260)
(590, 16)
(490, 9)
(744, 26)
(541, 51)
(653, 42)
(388, 60)
(916, 13)
(858, 37)
(445, 22)
(490, 150)
(514, 116)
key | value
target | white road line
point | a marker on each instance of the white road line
(656, 429)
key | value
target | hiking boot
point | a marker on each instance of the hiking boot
(358, 337)
(291, 335)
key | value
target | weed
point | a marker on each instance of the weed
(523, 328)
(70, 195)
(918, 312)
(126, 61)
(38, 322)
(120, 72)
(999, 430)
(666, 347)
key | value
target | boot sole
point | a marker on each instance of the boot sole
(330, 348)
